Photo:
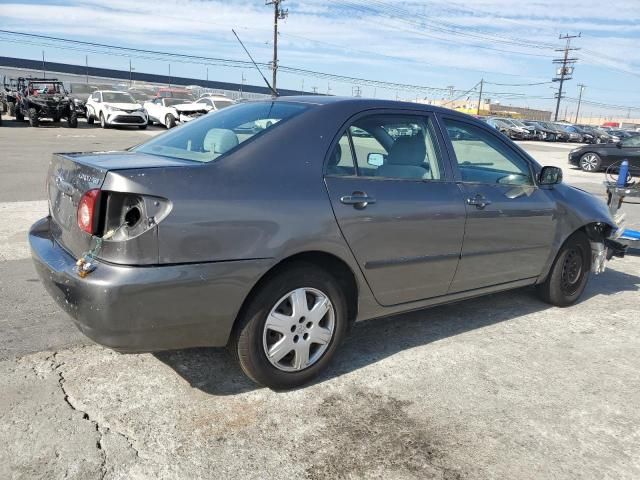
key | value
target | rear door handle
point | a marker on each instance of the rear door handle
(479, 201)
(359, 200)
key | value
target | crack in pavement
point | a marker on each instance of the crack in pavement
(56, 367)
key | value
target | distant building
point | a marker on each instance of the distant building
(470, 106)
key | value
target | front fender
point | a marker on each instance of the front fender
(576, 210)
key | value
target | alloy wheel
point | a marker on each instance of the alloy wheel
(589, 162)
(299, 329)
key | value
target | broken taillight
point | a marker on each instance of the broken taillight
(88, 211)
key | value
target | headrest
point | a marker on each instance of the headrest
(410, 150)
(219, 140)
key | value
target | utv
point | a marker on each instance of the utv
(9, 90)
(44, 98)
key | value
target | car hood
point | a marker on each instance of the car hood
(124, 106)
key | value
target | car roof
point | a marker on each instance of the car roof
(368, 103)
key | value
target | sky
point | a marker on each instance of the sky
(428, 43)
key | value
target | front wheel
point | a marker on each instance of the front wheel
(169, 121)
(590, 162)
(569, 273)
(90, 118)
(103, 122)
(291, 328)
(34, 121)
(72, 121)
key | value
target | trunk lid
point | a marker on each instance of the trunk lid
(71, 175)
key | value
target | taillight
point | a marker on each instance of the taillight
(88, 211)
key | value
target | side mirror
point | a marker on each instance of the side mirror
(375, 159)
(550, 176)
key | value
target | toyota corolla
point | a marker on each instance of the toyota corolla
(273, 241)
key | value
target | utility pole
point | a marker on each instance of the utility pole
(130, 76)
(169, 75)
(566, 70)
(44, 70)
(278, 14)
(579, 99)
(480, 96)
(207, 74)
(86, 63)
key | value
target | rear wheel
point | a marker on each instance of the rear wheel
(590, 162)
(19, 115)
(291, 328)
(72, 121)
(34, 121)
(169, 121)
(569, 273)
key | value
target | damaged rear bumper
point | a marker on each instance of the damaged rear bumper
(151, 308)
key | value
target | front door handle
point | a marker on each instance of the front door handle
(479, 201)
(359, 200)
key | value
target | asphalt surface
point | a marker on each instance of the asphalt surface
(498, 387)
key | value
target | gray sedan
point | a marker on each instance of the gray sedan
(269, 227)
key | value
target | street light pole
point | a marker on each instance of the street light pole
(579, 100)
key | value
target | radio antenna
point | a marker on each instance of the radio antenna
(273, 91)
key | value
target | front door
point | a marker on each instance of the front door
(511, 222)
(397, 207)
(630, 150)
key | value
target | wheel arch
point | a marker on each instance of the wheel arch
(328, 262)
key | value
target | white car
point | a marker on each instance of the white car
(215, 102)
(113, 108)
(171, 111)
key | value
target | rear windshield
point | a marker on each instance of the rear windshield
(212, 135)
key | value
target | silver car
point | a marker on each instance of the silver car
(273, 241)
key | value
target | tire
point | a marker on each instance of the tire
(590, 162)
(11, 108)
(253, 337)
(19, 115)
(34, 121)
(142, 127)
(72, 121)
(90, 119)
(56, 119)
(169, 121)
(103, 122)
(569, 273)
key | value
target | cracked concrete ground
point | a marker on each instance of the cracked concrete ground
(499, 387)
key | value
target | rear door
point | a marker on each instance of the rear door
(511, 222)
(397, 205)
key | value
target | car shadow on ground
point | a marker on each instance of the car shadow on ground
(214, 371)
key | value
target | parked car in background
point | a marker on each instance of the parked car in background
(216, 102)
(539, 131)
(79, 93)
(574, 135)
(511, 130)
(593, 158)
(600, 136)
(172, 92)
(172, 111)
(114, 108)
(560, 134)
(274, 243)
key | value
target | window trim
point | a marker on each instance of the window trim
(533, 167)
(446, 167)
